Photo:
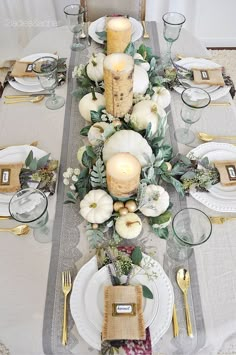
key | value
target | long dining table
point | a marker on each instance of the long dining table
(31, 301)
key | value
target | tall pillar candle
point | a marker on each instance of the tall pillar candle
(118, 34)
(123, 175)
(118, 82)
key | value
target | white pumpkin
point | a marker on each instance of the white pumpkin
(157, 201)
(95, 67)
(128, 141)
(145, 112)
(96, 206)
(161, 96)
(90, 102)
(96, 131)
(140, 80)
(128, 226)
(145, 65)
(80, 154)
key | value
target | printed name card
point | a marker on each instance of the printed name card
(123, 309)
(227, 171)
(9, 177)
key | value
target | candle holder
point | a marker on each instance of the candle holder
(118, 34)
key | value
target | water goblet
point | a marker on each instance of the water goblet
(29, 206)
(75, 20)
(191, 227)
(194, 101)
(46, 70)
(173, 22)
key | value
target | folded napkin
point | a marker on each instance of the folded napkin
(123, 313)
(21, 69)
(208, 76)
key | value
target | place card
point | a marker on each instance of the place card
(227, 171)
(21, 69)
(212, 76)
(9, 177)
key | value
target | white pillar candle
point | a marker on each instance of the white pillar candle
(118, 34)
(118, 82)
(123, 175)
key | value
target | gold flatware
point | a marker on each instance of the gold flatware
(5, 217)
(66, 288)
(208, 137)
(145, 34)
(22, 229)
(33, 100)
(221, 220)
(183, 280)
(175, 322)
(223, 103)
(33, 144)
(25, 96)
(180, 56)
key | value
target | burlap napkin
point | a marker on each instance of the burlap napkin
(9, 177)
(227, 171)
(21, 69)
(208, 76)
(123, 325)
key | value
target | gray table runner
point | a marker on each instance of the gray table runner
(70, 248)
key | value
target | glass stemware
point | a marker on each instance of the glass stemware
(75, 20)
(191, 227)
(46, 70)
(194, 101)
(29, 206)
(173, 22)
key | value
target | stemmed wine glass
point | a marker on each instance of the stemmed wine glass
(194, 101)
(191, 228)
(75, 20)
(29, 206)
(46, 70)
(173, 22)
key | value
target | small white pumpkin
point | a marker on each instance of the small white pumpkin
(95, 132)
(161, 96)
(145, 65)
(80, 154)
(157, 201)
(96, 206)
(145, 112)
(95, 67)
(91, 102)
(128, 226)
(128, 141)
(140, 80)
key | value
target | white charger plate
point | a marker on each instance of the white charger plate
(11, 155)
(219, 198)
(214, 91)
(99, 26)
(94, 296)
(87, 329)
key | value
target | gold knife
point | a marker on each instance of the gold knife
(175, 322)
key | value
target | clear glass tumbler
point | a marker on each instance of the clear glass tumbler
(75, 21)
(46, 70)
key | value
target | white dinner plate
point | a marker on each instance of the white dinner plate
(214, 91)
(219, 198)
(87, 329)
(11, 155)
(94, 296)
(99, 26)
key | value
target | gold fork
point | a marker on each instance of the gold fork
(145, 35)
(66, 288)
(220, 220)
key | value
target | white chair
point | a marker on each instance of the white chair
(98, 8)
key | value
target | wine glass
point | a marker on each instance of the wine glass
(191, 227)
(46, 70)
(173, 22)
(194, 101)
(75, 20)
(29, 206)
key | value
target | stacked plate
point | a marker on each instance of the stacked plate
(99, 26)
(86, 302)
(29, 84)
(219, 198)
(214, 91)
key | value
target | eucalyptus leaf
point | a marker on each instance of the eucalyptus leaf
(95, 116)
(90, 152)
(189, 175)
(109, 131)
(29, 158)
(102, 35)
(161, 232)
(146, 52)
(147, 293)
(87, 160)
(43, 161)
(136, 256)
(130, 49)
(33, 164)
(167, 151)
(71, 196)
(66, 202)
(84, 131)
(185, 160)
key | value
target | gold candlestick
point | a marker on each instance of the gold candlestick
(123, 175)
(118, 81)
(118, 34)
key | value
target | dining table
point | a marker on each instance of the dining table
(31, 298)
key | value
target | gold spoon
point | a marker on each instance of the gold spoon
(22, 229)
(208, 137)
(34, 100)
(183, 280)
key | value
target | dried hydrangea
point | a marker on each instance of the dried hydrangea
(139, 97)
(78, 71)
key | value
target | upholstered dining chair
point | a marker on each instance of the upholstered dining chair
(98, 8)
